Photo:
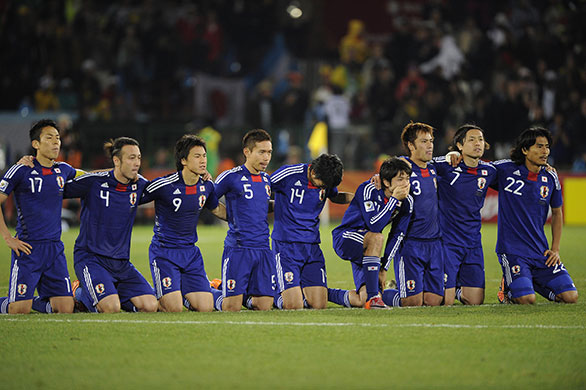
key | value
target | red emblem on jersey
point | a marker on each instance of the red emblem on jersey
(166, 282)
(289, 277)
(190, 190)
(268, 189)
(47, 171)
(481, 183)
(60, 182)
(473, 171)
(411, 284)
(256, 178)
(100, 288)
(544, 191)
(231, 284)
(133, 198)
(322, 194)
(202, 201)
(121, 187)
(425, 172)
(21, 288)
(516, 269)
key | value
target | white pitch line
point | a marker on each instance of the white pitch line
(317, 324)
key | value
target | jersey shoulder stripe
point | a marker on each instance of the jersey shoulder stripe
(555, 177)
(91, 175)
(368, 191)
(222, 175)
(500, 162)
(12, 171)
(292, 170)
(162, 181)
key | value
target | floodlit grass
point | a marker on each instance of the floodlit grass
(490, 346)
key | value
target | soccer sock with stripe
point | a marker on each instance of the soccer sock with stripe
(4, 305)
(339, 297)
(544, 292)
(128, 306)
(459, 294)
(391, 297)
(42, 305)
(218, 299)
(371, 266)
(278, 303)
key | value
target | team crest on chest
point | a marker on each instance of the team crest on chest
(322, 195)
(22, 289)
(481, 183)
(268, 190)
(60, 181)
(544, 191)
(202, 201)
(133, 198)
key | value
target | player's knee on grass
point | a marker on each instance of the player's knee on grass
(232, 303)
(201, 301)
(472, 296)
(430, 299)
(317, 297)
(20, 307)
(373, 243)
(568, 297)
(146, 303)
(292, 298)
(522, 288)
(262, 303)
(449, 296)
(109, 304)
(415, 300)
(63, 305)
(525, 300)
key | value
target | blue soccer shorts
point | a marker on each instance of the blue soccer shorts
(175, 269)
(463, 267)
(522, 273)
(349, 244)
(104, 276)
(250, 271)
(45, 269)
(299, 265)
(419, 267)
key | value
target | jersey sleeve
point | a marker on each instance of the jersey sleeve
(441, 165)
(11, 178)
(78, 187)
(398, 232)
(332, 193)
(556, 195)
(223, 184)
(151, 192)
(376, 220)
(278, 179)
(69, 171)
(212, 201)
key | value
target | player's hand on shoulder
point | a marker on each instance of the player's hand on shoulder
(401, 192)
(27, 161)
(207, 176)
(551, 169)
(553, 258)
(375, 181)
(453, 158)
(18, 246)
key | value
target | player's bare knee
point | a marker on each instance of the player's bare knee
(374, 241)
(525, 300)
(412, 301)
(151, 305)
(16, 308)
(569, 297)
(263, 306)
(172, 307)
(318, 304)
(110, 307)
(63, 307)
(292, 305)
(231, 306)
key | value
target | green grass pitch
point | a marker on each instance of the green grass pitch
(491, 346)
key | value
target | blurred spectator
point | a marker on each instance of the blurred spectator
(45, 98)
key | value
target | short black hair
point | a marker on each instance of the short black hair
(251, 138)
(37, 128)
(184, 145)
(391, 167)
(113, 147)
(329, 169)
(527, 139)
(461, 135)
(410, 132)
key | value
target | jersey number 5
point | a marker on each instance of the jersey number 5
(248, 194)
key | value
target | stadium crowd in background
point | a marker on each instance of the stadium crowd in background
(504, 65)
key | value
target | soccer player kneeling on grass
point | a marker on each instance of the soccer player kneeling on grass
(109, 201)
(527, 190)
(176, 263)
(359, 237)
(301, 192)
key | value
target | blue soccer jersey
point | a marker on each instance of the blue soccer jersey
(524, 201)
(108, 208)
(462, 191)
(425, 219)
(247, 206)
(177, 208)
(369, 210)
(38, 195)
(298, 204)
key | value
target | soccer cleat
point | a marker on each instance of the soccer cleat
(375, 302)
(502, 294)
(74, 287)
(216, 283)
(78, 305)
